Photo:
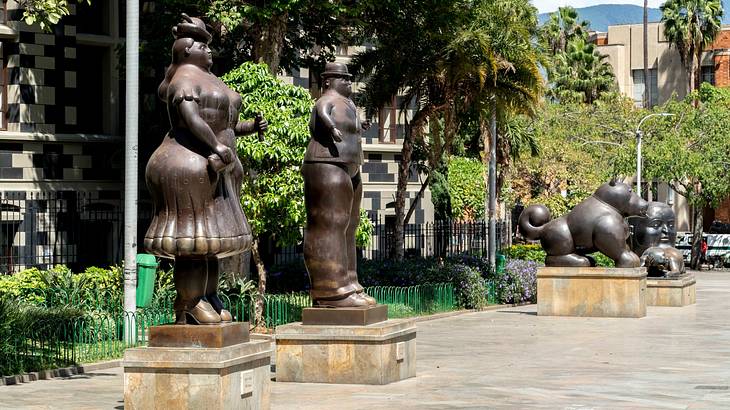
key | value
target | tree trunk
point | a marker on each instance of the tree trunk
(412, 208)
(696, 237)
(261, 269)
(269, 41)
(400, 195)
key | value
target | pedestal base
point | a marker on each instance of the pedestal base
(675, 292)
(215, 336)
(233, 377)
(381, 353)
(597, 292)
(345, 316)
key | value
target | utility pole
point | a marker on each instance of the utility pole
(131, 152)
(492, 234)
(647, 89)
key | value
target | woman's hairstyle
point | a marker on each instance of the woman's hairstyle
(187, 32)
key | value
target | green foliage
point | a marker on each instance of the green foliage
(535, 253)
(582, 146)
(581, 73)
(273, 194)
(562, 27)
(531, 252)
(46, 13)
(466, 188)
(24, 286)
(364, 232)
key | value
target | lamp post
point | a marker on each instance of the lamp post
(639, 135)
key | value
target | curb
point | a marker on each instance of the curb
(60, 372)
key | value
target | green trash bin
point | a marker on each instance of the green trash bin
(500, 261)
(146, 272)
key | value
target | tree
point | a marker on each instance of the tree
(284, 34)
(581, 147)
(561, 29)
(581, 73)
(466, 188)
(46, 13)
(700, 134)
(691, 25)
(273, 188)
(409, 39)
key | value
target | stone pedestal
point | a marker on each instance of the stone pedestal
(235, 376)
(675, 292)
(345, 316)
(380, 353)
(598, 292)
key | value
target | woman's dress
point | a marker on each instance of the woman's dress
(197, 206)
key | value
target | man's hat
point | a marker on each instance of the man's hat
(192, 27)
(335, 70)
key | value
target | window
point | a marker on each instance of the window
(388, 123)
(99, 33)
(708, 74)
(653, 97)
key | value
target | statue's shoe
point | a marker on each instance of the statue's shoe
(371, 300)
(202, 314)
(217, 305)
(352, 300)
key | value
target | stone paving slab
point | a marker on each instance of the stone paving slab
(674, 358)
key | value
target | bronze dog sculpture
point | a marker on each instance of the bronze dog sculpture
(596, 224)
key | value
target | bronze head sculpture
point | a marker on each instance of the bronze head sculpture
(596, 224)
(332, 194)
(194, 177)
(653, 237)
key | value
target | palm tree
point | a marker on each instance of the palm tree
(493, 67)
(581, 73)
(562, 27)
(691, 26)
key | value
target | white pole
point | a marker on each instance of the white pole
(492, 237)
(130, 168)
(638, 163)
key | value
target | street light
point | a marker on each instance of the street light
(638, 147)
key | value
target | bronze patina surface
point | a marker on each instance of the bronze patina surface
(210, 336)
(596, 224)
(653, 237)
(194, 177)
(345, 316)
(332, 194)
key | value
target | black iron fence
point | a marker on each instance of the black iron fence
(82, 229)
(43, 229)
(430, 239)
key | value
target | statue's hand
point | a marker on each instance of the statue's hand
(225, 153)
(365, 124)
(260, 124)
(336, 135)
(655, 257)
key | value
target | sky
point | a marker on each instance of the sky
(546, 6)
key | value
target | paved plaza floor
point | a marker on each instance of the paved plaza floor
(674, 358)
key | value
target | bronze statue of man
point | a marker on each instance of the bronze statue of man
(332, 194)
(653, 237)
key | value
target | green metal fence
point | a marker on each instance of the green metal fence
(97, 331)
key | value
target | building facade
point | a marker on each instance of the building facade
(61, 141)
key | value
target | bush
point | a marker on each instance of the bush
(518, 283)
(531, 252)
(535, 253)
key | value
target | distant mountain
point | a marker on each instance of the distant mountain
(604, 15)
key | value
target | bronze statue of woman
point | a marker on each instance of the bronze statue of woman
(195, 177)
